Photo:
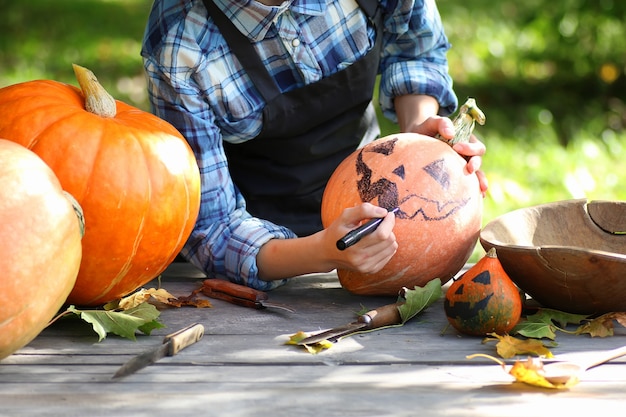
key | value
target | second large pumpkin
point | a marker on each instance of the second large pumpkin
(440, 205)
(134, 175)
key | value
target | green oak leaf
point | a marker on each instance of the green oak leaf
(419, 298)
(546, 322)
(122, 323)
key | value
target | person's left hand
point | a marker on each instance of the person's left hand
(472, 150)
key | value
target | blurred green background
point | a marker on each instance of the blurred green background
(550, 76)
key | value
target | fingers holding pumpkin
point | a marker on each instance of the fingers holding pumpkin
(473, 151)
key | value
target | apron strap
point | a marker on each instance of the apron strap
(244, 52)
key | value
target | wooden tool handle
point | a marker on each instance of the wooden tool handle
(382, 316)
(226, 290)
(183, 338)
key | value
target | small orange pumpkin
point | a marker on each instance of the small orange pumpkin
(40, 242)
(484, 299)
(133, 173)
(440, 208)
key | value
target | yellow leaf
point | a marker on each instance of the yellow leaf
(509, 346)
(144, 295)
(161, 296)
(313, 348)
(602, 326)
(530, 372)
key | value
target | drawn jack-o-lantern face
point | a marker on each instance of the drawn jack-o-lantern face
(385, 188)
(440, 208)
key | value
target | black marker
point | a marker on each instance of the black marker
(357, 234)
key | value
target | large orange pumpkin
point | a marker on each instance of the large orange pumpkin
(40, 242)
(133, 173)
(440, 208)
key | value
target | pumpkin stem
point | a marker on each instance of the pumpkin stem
(491, 253)
(97, 100)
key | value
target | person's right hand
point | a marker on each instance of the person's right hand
(373, 251)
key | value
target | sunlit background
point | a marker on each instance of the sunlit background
(550, 77)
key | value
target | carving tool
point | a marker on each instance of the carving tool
(172, 344)
(240, 295)
(384, 316)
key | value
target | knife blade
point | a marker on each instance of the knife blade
(383, 316)
(240, 295)
(172, 344)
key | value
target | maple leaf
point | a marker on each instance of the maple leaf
(123, 323)
(509, 346)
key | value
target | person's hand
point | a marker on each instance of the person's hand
(373, 251)
(472, 150)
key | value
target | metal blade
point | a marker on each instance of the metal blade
(335, 334)
(270, 304)
(143, 360)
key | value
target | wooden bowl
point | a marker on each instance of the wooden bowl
(567, 255)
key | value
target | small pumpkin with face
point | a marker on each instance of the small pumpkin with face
(484, 300)
(440, 208)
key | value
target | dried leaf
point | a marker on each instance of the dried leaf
(602, 326)
(509, 346)
(313, 348)
(159, 297)
(529, 372)
(419, 298)
(122, 323)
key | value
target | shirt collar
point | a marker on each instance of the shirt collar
(254, 19)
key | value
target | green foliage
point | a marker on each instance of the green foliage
(548, 75)
(47, 36)
(532, 64)
(126, 323)
(418, 299)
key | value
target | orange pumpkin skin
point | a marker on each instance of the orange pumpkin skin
(40, 242)
(484, 299)
(134, 175)
(440, 213)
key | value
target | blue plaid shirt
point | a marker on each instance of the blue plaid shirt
(195, 84)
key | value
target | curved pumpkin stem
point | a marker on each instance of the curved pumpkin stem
(97, 100)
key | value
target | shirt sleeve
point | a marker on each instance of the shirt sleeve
(226, 238)
(414, 55)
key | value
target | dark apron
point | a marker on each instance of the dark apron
(306, 132)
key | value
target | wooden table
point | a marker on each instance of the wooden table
(242, 368)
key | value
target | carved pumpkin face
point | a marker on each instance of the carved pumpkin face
(440, 206)
(484, 300)
(396, 188)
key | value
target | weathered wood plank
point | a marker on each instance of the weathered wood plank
(242, 368)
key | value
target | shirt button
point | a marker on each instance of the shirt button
(295, 43)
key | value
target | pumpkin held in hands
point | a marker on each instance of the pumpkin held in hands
(133, 173)
(484, 299)
(40, 241)
(440, 208)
